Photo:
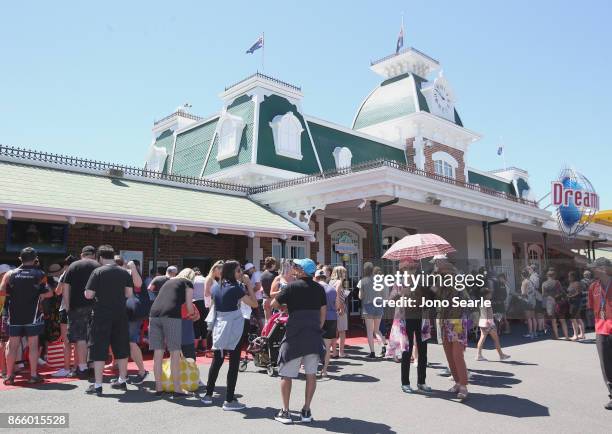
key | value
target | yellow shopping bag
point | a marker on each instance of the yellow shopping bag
(190, 375)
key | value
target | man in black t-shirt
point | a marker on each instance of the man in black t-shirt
(24, 287)
(159, 281)
(267, 277)
(109, 286)
(78, 308)
(303, 342)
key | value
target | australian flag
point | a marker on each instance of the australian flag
(256, 46)
(400, 40)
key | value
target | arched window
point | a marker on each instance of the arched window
(229, 132)
(444, 164)
(287, 132)
(342, 157)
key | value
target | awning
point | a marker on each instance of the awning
(57, 194)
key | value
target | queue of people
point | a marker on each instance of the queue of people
(105, 308)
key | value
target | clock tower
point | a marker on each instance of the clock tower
(418, 111)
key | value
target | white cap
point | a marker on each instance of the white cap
(248, 266)
(172, 269)
(4, 268)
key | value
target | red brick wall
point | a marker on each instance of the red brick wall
(455, 153)
(409, 150)
(172, 247)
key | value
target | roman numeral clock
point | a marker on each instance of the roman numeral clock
(440, 98)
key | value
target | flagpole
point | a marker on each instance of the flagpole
(263, 51)
(501, 141)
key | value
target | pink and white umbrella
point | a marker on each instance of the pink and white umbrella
(418, 246)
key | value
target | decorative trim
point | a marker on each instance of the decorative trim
(341, 155)
(394, 231)
(446, 157)
(237, 125)
(279, 124)
(355, 227)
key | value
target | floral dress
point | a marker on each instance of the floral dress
(398, 337)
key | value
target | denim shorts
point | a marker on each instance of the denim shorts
(134, 328)
(371, 311)
(28, 330)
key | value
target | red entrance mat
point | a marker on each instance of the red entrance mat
(21, 379)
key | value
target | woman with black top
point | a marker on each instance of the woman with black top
(227, 329)
(417, 329)
(165, 326)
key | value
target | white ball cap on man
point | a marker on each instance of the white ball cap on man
(248, 266)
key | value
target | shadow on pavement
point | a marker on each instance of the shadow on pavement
(506, 405)
(356, 378)
(335, 424)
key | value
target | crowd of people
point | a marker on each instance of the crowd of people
(103, 310)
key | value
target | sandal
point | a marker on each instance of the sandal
(463, 393)
(455, 388)
(36, 379)
(9, 381)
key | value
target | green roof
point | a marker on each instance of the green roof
(393, 98)
(242, 107)
(327, 139)
(270, 107)
(490, 182)
(58, 192)
(191, 149)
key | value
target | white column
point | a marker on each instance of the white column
(321, 237)
(419, 155)
(254, 252)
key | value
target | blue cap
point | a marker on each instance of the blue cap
(307, 265)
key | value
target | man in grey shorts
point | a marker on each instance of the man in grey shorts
(303, 342)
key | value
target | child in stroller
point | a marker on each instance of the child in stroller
(264, 348)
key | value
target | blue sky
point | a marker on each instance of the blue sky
(89, 80)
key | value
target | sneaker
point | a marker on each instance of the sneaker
(528, 335)
(92, 389)
(406, 388)
(371, 355)
(80, 374)
(504, 357)
(206, 400)
(119, 385)
(383, 351)
(137, 379)
(233, 405)
(424, 388)
(306, 416)
(481, 359)
(61, 373)
(283, 416)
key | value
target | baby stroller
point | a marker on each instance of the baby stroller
(264, 349)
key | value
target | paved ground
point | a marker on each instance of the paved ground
(548, 386)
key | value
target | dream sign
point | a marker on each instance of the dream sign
(576, 201)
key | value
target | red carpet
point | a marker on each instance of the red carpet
(21, 379)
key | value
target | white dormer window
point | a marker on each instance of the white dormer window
(229, 132)
(156, 158)
(444, 164)
(287, 131)
(342, 157)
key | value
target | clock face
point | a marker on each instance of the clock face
(442, 97)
